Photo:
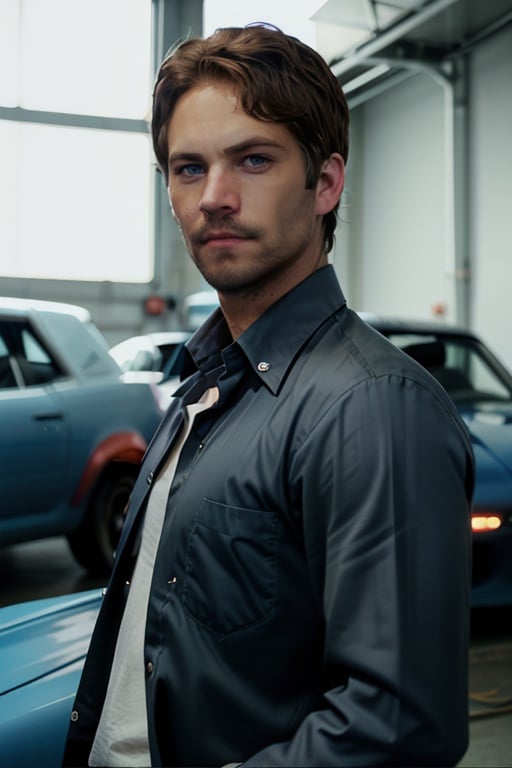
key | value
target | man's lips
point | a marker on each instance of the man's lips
(223, 238)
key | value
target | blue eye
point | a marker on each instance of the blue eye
(192, 169)
(256, 161)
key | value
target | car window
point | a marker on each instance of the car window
(464, 367)
(7, 378)
(486, 374)
(33, 350)
(24, 362)
(36, 364)
(80, 343)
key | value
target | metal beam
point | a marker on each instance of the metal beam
(367, 50)
(173, 20)
(20, 115)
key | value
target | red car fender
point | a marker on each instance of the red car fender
(123, 446)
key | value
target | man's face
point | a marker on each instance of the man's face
(237, 190)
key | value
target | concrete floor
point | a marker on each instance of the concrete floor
(46, 568)
(490, 743)
(490, 700)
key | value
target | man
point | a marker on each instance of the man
(292, 581)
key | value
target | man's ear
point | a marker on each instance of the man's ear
(330, 184)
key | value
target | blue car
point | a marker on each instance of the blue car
(481, 388)
(42, 650)
(74, 429)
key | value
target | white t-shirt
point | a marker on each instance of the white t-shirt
(122, 735)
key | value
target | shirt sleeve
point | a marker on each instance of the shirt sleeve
(383, 481)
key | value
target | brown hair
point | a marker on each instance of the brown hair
(279, 78)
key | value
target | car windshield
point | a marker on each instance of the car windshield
(464, 366)
(81, 343)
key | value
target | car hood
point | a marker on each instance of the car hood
(491, 434)
(43, 636)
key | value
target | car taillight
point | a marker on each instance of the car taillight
(482, 522)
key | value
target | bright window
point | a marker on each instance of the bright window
(9, 45)
(89, 57)
(75, 201)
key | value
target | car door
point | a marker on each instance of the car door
(33, 434)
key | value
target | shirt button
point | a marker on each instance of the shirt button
(173, 580)
(103, 591)
(149, 667)
(149, 478)
(74, 716)
(263, 367)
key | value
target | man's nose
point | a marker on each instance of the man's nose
(220, 193)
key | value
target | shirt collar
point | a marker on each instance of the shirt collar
(273, 341)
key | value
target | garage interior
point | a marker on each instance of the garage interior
(424, 220)
(423, 231)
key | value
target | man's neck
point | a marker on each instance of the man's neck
(242, 308)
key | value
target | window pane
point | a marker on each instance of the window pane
(9, 35)
(9, 192)
(87, 57)
(33, 350)
(75, 203)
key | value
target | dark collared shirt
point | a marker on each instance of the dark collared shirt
(310, 597)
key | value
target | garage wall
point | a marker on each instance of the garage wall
(393, 256)
(395, 201)
(490, 225)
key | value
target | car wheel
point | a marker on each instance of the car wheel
(94, 543)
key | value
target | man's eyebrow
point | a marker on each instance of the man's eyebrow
(234, 149)
(252, 143)
(192, 157)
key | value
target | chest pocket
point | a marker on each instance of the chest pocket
(230, 579)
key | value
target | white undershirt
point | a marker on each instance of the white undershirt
(122, 735)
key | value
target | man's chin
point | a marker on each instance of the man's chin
(228, 280)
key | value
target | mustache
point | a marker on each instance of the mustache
(203, 233)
